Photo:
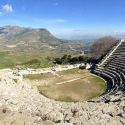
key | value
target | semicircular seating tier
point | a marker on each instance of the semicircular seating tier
(112, 69)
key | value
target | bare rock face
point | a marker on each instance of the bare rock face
(14, 118)
(21, 104)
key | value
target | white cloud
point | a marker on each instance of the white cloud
(7, 8)
(50, 21)
(57, 20)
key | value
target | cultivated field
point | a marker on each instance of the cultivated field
(69, 85)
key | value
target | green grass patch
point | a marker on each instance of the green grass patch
(12, 59)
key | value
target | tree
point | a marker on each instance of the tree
(74, 60)
(81, 58)
(66, 59)
(102, 46)
(58, 61)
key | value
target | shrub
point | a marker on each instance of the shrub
(82, 67)
(33, 61)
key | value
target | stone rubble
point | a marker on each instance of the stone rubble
(22, 104)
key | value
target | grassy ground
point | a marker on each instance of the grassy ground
(71, 85)
(11, 59)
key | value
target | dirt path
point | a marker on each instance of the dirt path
(68, 81)
(72, 80)
(54, 73)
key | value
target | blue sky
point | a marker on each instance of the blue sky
(66, 18)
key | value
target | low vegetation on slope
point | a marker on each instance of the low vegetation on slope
(33, 59)
(102, 46)
(71, 85)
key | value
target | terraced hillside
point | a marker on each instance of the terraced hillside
(112, 68)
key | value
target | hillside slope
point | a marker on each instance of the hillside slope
(19, 45)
